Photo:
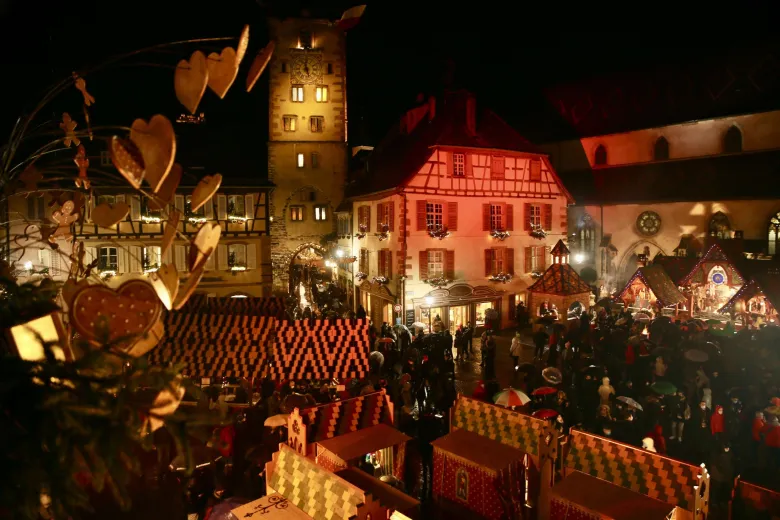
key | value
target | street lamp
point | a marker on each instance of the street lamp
(340, 253)
(579, 258)
(429, 300)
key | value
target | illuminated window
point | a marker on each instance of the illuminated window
(237, 256)
(301, 161)
(774, 234)
(535, 215)
(235, 206)
(496, 216)
(321, 94)
(296, 213)
(290, 123)
(535, 170)
(459, 165)
(435, 264)
(108, 259)
(497, 167)
(434, 215)
(151, 259)
(537, 258)
(316, 123)
(315, 160)
(600, 158)
(297, 93)
(187, 205)
(320, 213)
(661, 149)
(497, 260)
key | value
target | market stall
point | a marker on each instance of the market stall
(756, 302)
(494, 460)
(752, 498)
(681, 487)
(651, 288)
(559, 290)
(582, 497)
(403, 505)
(379, 449)
(713, 281)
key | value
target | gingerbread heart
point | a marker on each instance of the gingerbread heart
(242, 45)
(130, 310)
(170, 231)
(157, 142)
(69, 290)
(127, 158)
(166, 283)
(205, 189)
(190, 80)
(109, 215)
(259, 64)
(190, 285)
(223, 69)
(167, 189)
(147, 341)
(203, 244)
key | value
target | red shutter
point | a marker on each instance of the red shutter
(529, 251)
(423, 265)
(510, 218)
(381, 263)
(509, 260)
(547, 217)
(368, 219)
(488, 262)
(422, 216)
(486, 217)
(449, 264)
(389, 264)
(390, 209)
(380, 216)
(452, 216)
(546, 259)
(527, 216)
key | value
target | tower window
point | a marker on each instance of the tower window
(329, 68)
(290, 123)
(297, 93)
(321, 94)
(732, 141)
(661, 149)
(535, 173)
(284, 67)
(315, 160)
(320, 213)
(301, 161)
(296, 213)
(317, 123)
(304, 39)
(600, 158)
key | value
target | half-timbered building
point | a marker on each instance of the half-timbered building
(453, 214)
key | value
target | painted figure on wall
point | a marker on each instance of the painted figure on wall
(462, 485)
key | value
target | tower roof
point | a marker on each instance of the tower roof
(560, 249)
(561, 280)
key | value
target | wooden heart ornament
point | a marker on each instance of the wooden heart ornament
(167, 189)
(130, 310)
(170, 231)
(166, 284)
(128, 160)
(109, 215)
(190, 80)
(223, 69)
(259, 64)
(243, 44)
(157, 142)
(205, 189)
(203, 244)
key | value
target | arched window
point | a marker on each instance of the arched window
(732, 141)
(586, 233)
(774, 234)
(600, 158)
(661, 150)
(720, 227)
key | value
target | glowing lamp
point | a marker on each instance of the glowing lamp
(28, 266)
(340, 253)
(28, 338)
(429, 300)
(645, 332)
(579, 258)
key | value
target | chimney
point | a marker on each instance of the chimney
(471, 115)
(431, 108)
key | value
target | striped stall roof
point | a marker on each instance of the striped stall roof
(202, 304)
(333, 419)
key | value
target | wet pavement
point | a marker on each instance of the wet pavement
(469, 373)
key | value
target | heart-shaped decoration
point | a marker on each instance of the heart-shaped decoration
(130, 310)
(189, 287)
(223, 69)
(259, 64)
(167, 189)
(128, 160)
(166, 284)
(203, 244)
(205, 189)
(157, 142)
(148, 341)
(109, 215)
(69, 290)
(190, 80)
(243, 44)
(170, 231)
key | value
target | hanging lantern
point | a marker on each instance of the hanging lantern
(27, 338)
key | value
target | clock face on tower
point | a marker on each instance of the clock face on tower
(307, 69)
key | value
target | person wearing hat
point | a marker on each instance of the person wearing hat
(721, 469)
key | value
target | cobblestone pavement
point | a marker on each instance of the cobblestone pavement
(468, 373)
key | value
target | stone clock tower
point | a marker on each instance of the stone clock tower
(307, 149)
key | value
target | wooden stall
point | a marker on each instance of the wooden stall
(380, 447)
(493, 460)
(756, 302)
(712, 282)
(559, 288)
(677, 489)
(650, 288)
(752, 501)
(399, 502)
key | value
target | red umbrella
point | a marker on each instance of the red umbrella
(545, 390)
(545, 413)
(480, 392)
(385, 340)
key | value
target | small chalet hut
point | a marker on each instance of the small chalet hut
(713, 281)
(757, 300)
(559, 287)
(651, 287)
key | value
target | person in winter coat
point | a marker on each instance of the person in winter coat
(701, 431)
(706, 396)
(658, 438)
(516, 350)
(733, 418)
(721, 469)
(718, 424)
(772, 442)
(759, 427)
(540, 340)
(649, 445)
(605, 391)
(680, 413)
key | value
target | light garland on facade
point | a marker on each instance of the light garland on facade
(499, 234)
(379, 280)
(148, 219)
(538, 233)
(438, 281)
(360, 276)
(362, 231)
(385, 233)
(236, 218)
(438, 232)
(197, 220)
(500, 277)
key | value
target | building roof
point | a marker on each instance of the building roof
(676, 267)
(718, 252)
(402, 153)
(722, 177)
(766, 283)
(561, 280)
(657, 280)
(560, 249)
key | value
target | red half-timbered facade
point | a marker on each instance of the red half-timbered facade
(454, 214)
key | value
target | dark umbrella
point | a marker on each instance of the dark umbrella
(697, 356)
(606, 303)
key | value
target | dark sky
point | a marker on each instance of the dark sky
(507, 55)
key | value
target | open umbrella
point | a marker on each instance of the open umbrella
(630, 402)
(606, 303)
(552, 375)
(511, 397)
(545, 390)
(276, 421)
(663, 388)
(545, 413)
(526, 367)
(697, 356)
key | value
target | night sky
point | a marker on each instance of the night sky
(507, 56)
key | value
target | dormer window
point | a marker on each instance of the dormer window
(458, 165)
